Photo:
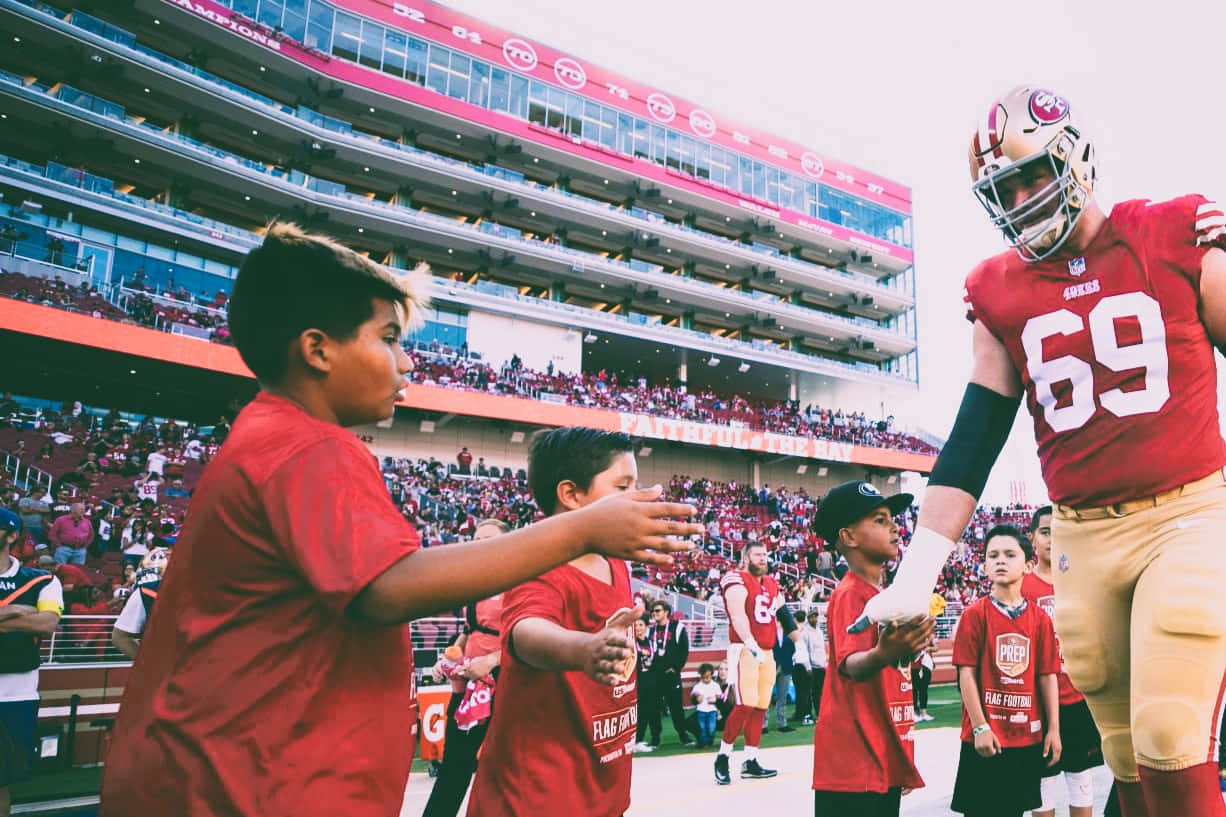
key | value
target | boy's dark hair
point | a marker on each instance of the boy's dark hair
(576, 454)
(296, 281)
(1013, 533)
(705, 668)
(1039, 512)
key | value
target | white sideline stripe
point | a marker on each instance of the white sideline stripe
(85, 709)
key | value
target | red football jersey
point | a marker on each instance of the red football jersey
(254, 692)
(559, 743)
(1009, 655)
(762, 601)
(1040, 592)
(865, 734)
(1117, 367)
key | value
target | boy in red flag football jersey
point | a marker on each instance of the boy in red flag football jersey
(1005, 652)
(864, 747)
(275, 676)
(564, 734)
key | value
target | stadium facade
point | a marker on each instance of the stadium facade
(573, 217)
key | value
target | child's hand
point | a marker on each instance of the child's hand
(987, 744)
(633, 526)
(609, 657)
(1052, 747)
(899, 641)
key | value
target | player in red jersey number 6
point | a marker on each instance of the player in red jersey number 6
(1106, 324)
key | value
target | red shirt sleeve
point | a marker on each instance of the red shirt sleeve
(844, 609)
(537, 598)
(968, 640)
(1049, 653)
(329, 510)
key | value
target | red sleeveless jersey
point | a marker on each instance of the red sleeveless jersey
(760, 605)
(1117, 366)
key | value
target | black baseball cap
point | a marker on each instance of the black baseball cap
(849, 503)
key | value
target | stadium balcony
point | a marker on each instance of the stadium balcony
(380, 215)
(317, 125)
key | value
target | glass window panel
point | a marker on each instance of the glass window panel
(556, 116)
(759, 180)
(479, 84)
(590, 117)
(346, 35)
(771, 193)
(688, 150)
(298, 7)
(246, 7)
(746, 170)
(371, 51)
(674, 151)
(439, 70)
(457, 86)
(608, 127)
(415, 70)
(642, 139)
(270, 12)
(658, 144)
(500, 90)
(294, 25)
(536, 103)
(319, 27)
(395, 52)
(519, 96)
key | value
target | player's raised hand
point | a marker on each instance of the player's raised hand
(609, 656)
(1052, 747)
(908, 596)
(988, 745)
(633, 525)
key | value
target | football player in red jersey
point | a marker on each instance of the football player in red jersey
(1106, 324)
(1082, 745)
(752, 598)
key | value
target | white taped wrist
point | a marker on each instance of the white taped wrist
(922, 563)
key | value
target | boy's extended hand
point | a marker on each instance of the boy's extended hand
(634, 526)
(902, 640)
(609, 656)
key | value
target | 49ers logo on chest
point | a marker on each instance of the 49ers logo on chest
(1012, 654)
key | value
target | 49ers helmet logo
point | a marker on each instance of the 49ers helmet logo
(1047, 108)
(1012, 654)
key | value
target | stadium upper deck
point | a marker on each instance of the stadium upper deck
(560, 200)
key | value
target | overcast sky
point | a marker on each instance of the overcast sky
(897, 86)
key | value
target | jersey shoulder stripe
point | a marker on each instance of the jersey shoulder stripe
(731, 578)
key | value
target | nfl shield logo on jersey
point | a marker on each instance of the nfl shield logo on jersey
(1012, 654)
(1077, 267)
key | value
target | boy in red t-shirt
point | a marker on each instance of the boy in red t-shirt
(1007, 660)
(275, 675)
(563, 737)
(863, 744)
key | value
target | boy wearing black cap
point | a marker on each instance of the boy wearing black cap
(864, 749)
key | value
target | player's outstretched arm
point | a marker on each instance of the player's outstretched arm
(606, 656)
(979, 433)
(630, 525)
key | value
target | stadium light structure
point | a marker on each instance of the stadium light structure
(645, 451)
(744, 367)
(589, 338)
(713, 361)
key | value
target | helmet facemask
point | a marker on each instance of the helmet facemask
(1033, 235)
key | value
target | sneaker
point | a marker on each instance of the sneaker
(721, 770)
(643, 748)
(751, 768)
(787, 728)
(808, 720)
(928, 717)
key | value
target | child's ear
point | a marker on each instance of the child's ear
(568, 495)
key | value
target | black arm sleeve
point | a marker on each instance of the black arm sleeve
(786, 619)
(979, 433)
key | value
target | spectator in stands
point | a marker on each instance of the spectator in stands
(31, 602)
(464, 461)
(71, 535)
(649, 711)
(176, 490)
(815, 646)
(482, 469)
(34, 510)
(130, 625)
(784, 653)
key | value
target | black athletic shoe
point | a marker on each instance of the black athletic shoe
(787, 728)
(750, 768)
(721, 770)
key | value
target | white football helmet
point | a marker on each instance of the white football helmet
(1030, 133)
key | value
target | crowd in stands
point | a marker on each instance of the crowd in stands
(132, 479)
(602, 389)
(58, 293)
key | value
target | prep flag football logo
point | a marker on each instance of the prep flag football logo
(1012, 654)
